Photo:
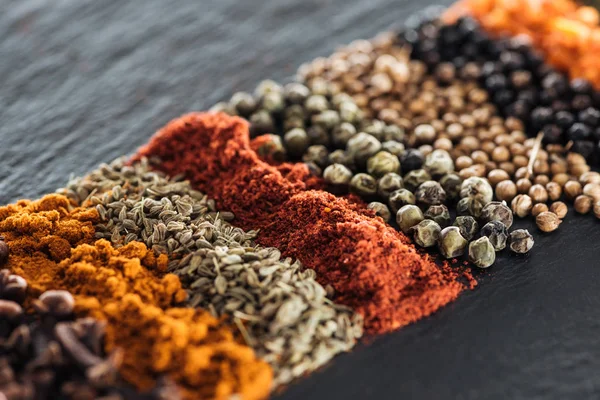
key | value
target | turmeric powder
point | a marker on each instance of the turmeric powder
(52, 246)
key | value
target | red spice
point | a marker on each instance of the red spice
(372, 267)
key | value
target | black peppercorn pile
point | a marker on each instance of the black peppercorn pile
(50, 355)
(518, 80)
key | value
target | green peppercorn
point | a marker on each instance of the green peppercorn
(267, 86)
(393, 147)
(471, 206)
(316, 103)
(399, 198)
(440, 214)
(342, 133)
(497, 211)
(451, 183)
(415, 178)
(273, 102)
(363, 185)
(408, 216)
(340, 157)
(350, 112)
(290, 123)
(318, 135)
(296, 141)
(261, 122)
(244, 103)
(296, 93)
(497, 233)
(381, 210)
(477, 187)
(482, 252)
(318, 154)
(467, 225)
(314, 169)
(337, 174)
(426, 233)
(362, 146)
(393, 133)
(375, 128)
(430, 193)
(438, 163)
(340, 98)
(389, 183)
(295, 111)
(521, 241)
(382, 163)
(451, 242)
(328, 119)
(271, 147)
(224, 107)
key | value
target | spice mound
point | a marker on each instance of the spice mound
(127, 288)
(283, 313)
(373, 268)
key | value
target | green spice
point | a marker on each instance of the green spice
(467, 225)
(296, 141)
(426, 233)
(471, 206)
(439, 214)
(439, 163)
(415, 178)
(478, 188)
(408, 216)
(318, 154)
(362, 146)
(451, 184)
(430, 193)
(389, 183)
(497, 211)
(363, 184)
(381, 210)
(452, 243)
(521, 241)
(400, 198)
(482, 252)
(497, 232)
(337, 174)
(383, 163)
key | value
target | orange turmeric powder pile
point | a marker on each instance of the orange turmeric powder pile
(567, 33)
(52, 246)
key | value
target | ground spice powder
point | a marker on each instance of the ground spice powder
(372, 267)
(52, 246)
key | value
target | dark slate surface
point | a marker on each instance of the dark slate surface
(82, 82)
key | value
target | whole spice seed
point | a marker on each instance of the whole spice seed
(497, 232)
(430, 193)
(482, 252)
(521, 205)
(559, 208)
(222, 267)
(521, 241)
(439, 214)
(471, 206)
(399, 198)
(408, 216)
(426, 233)
(583, 204)
(451, 243)
(4, 252)
(547, 221)
(313, 226)
(538, 209)
(381, 210)
(497, 211)
(467, 226)
(596, 209)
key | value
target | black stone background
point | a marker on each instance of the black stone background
(83, 81)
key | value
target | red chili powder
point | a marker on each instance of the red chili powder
(373, 268)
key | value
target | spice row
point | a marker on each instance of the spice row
(228, 257)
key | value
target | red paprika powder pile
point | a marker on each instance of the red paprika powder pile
(373, 268)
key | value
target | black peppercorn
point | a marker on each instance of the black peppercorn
(541, 116)
(590, 116)
(411, 160)
(579, 131)
(564, 119)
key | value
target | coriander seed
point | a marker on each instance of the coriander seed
(583, 204)
(554, 191)
(497, 232)
(482, 252)
(496, 176)
(426, 233)
(596, 209)
(408, 216)
(521, 241)
(592, 190)
(363, 184)
(451, 243)
(559, 208)
(467, 225)
(572, 189)
(538, 208)
(523, 186)
(538, 194)
(381, 210)
(506, 190)
(521, 205)
(547, 221)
